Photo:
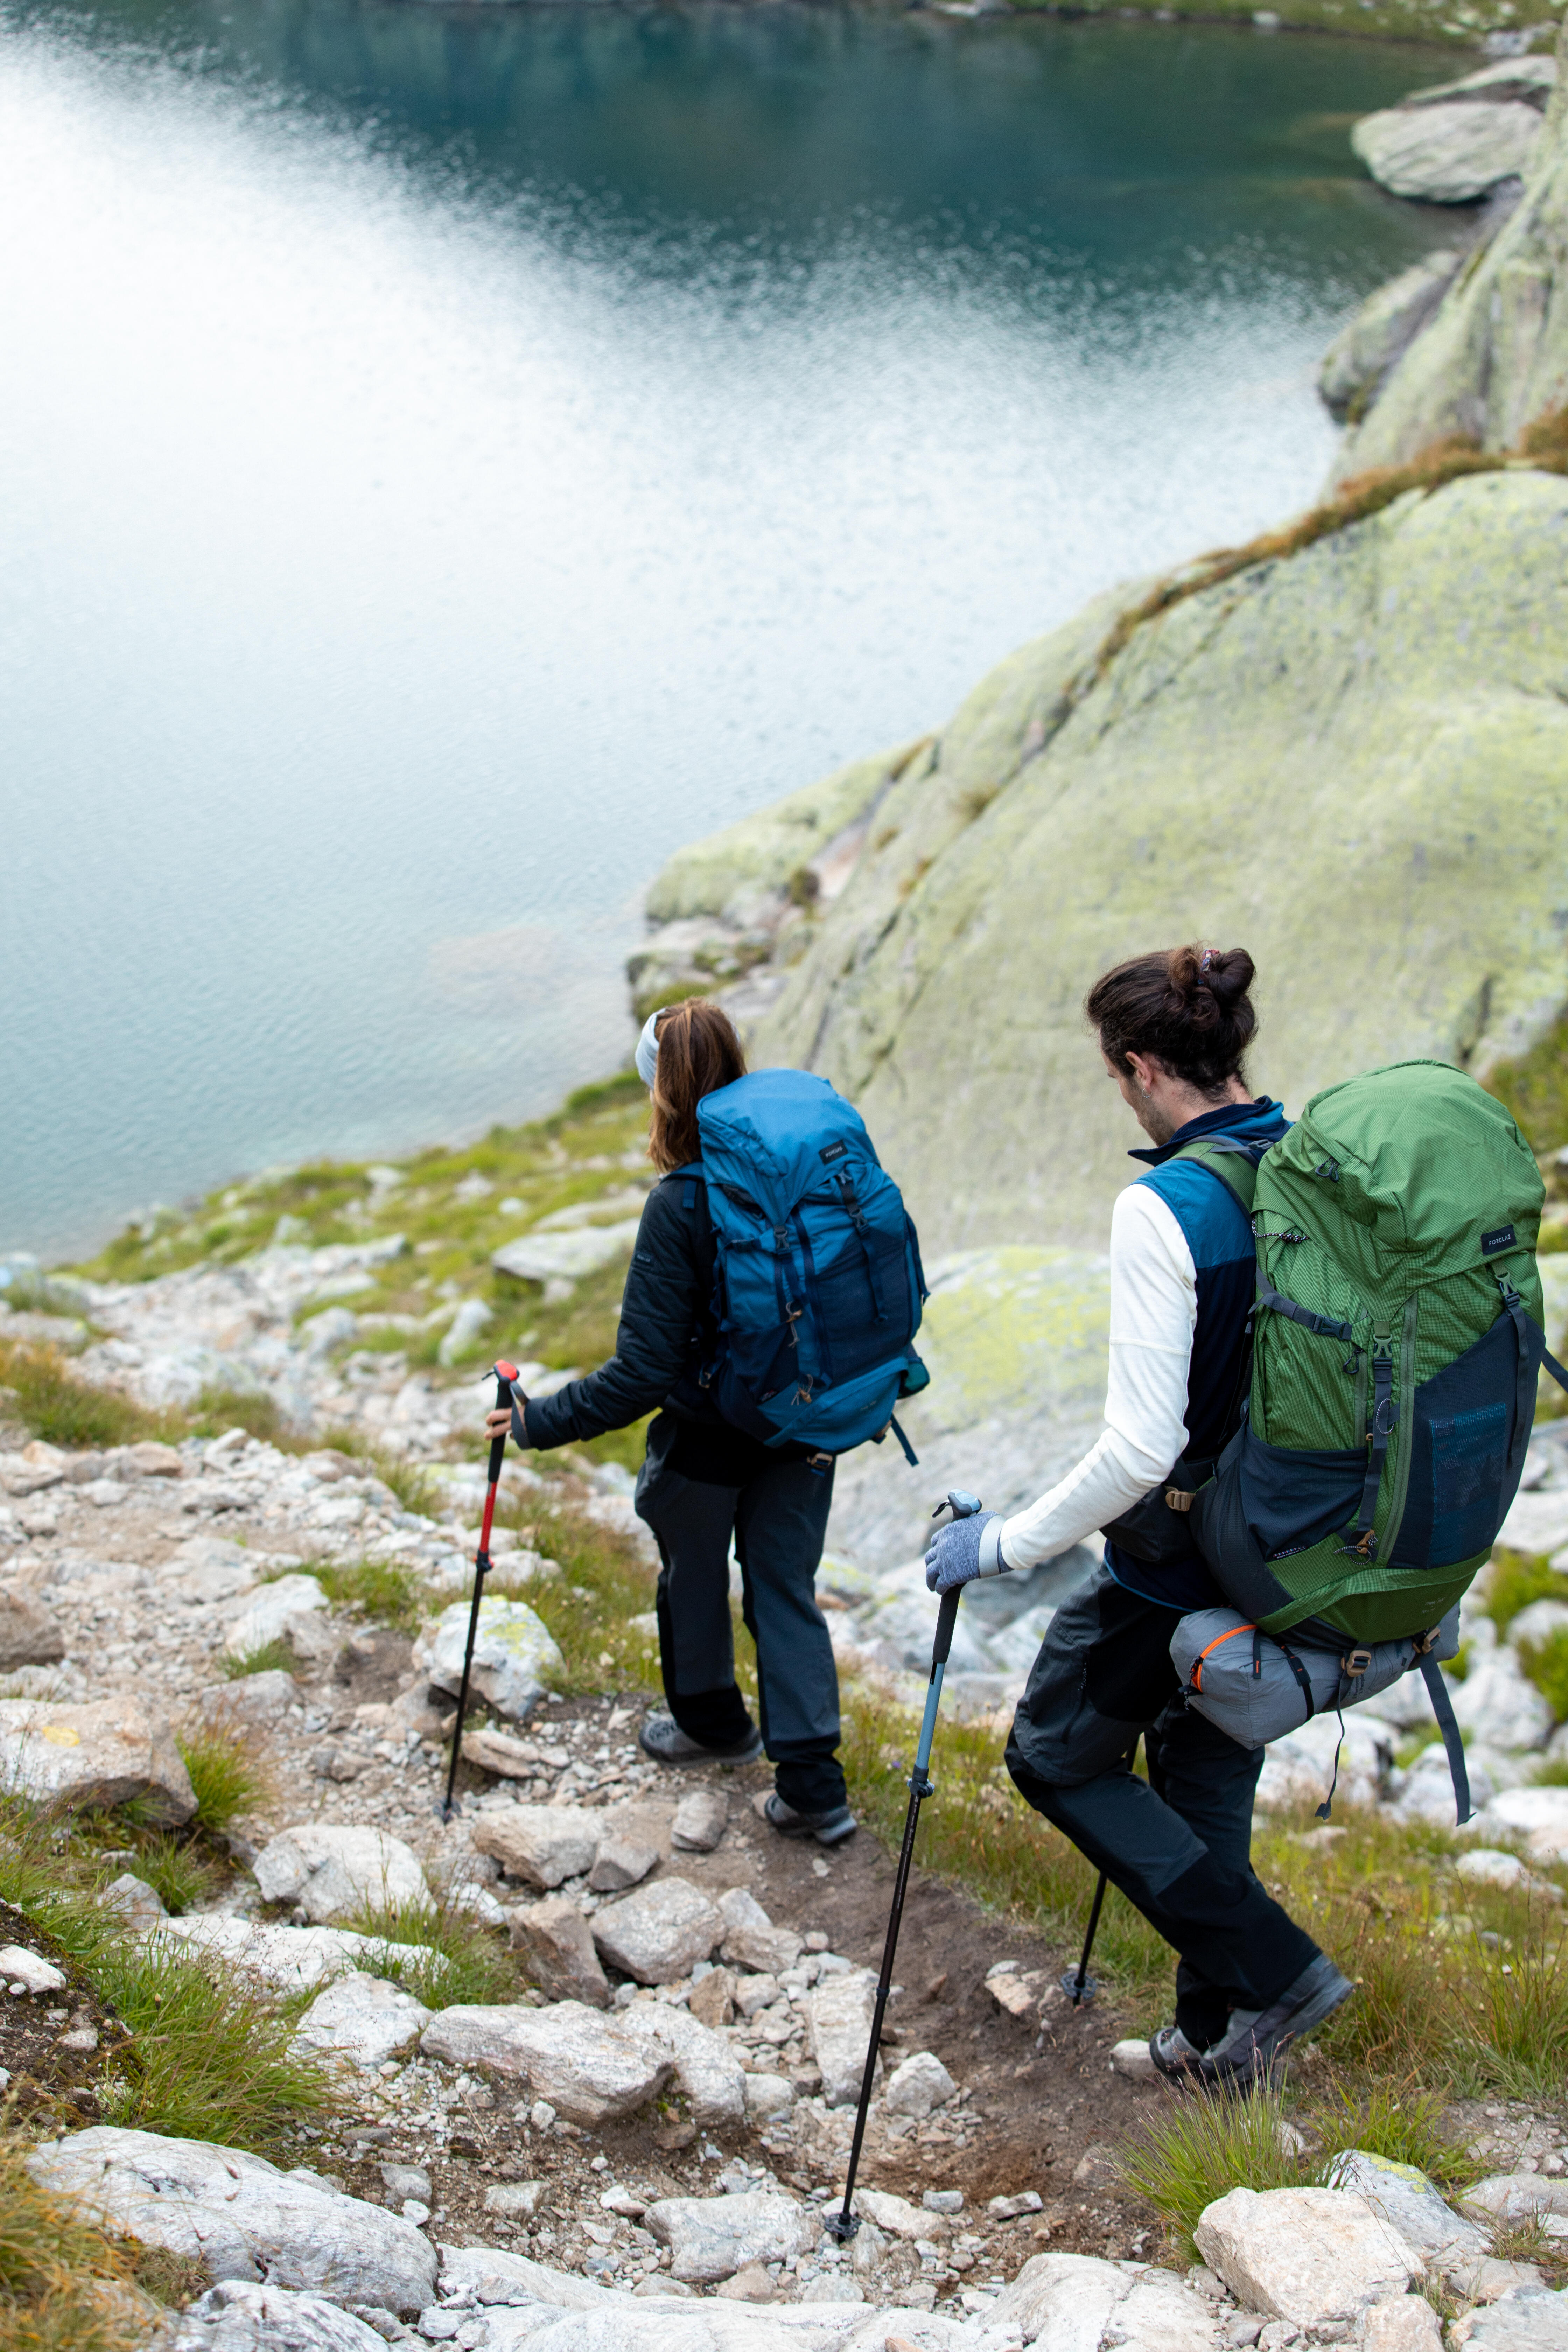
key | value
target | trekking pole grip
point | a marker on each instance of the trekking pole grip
(505, 1375)
(946, 1619)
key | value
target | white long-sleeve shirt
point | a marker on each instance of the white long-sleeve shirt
(1153, 1314)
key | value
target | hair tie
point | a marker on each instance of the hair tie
(1205, 960)
(646, 1056)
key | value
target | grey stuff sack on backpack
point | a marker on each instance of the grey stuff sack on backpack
(1255, 1687)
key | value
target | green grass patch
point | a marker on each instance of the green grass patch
(64, 1411)
(217, 1411)
(1534, 1088)
(1513, 2015)
(1546, 1664)
(1514, 1580)
(210, 2056)
(604, 1583)
(269, 1657)
(63, 2282)
(181, 1872)
(451, 1956)
(381, 1590)
(411, 1482)
(1200, 2147)
(228, 1780)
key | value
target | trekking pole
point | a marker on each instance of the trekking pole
(505, 1375)
(1077, 1983)
(844, 2225)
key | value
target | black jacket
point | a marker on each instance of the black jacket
(665, 1334)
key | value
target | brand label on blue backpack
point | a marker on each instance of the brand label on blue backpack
(1499, 1238)
(833, 1151)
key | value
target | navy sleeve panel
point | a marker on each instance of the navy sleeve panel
(668, 1287)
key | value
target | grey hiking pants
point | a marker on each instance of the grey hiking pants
(778, 1519)
(1179, 1844)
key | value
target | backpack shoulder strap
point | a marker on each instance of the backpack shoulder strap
(694, 1173)
(1235, 1163)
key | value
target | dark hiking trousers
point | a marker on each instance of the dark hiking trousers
(778, 1517)
(1178, 1846)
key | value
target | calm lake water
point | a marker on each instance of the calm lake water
(451, 455)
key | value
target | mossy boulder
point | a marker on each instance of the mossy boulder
(1352, 760)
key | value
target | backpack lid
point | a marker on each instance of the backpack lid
(776, 1134)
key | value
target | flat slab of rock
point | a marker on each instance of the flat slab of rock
(1533, 2319)
(750, 1939)
(1516, 2196)
(494, 2278)
(1307, 2255)
(239, 2317)
(1403, 2323)
(242, 2217)
(1446, 155)
(711, 2238)
(363, 2020)
(336, 1869)
(700, 1820)
(621, 1862)
(1539, 1817)
(1075, 2302)
(838, 2013)
(660, 1932)
(499, 1752)
(1410, 2201)
(29, 1635)
(107, 1753)
(516, 1659)
(259, 1700)
(705, 2066)
(540, 1843)
(554, 1939)
(290, 1960)
(589, 2068)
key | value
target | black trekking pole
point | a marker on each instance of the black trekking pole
(1077, 1983)
(505, 1375)
(844, 2225)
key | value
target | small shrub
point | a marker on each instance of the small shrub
(224, 1773)
(272, 1657)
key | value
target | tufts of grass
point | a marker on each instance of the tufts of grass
(378, 1588)
(411, 1482)
(1397, 2120)
(272, 1657)
(451, 1956)
(64, 1411)
(1200, 2145)
(225, 1774)
(1546, 1664)
(1513, 2015)
(604, 1583)
(217, 1410)
(1514, 1580)
(177, 1868)
(64, 2286)
(210, 2056)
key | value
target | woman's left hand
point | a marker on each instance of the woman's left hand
(498, 1422)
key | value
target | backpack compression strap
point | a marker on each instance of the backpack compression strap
(1453, 1746)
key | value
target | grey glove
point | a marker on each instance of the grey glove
(967, 1548)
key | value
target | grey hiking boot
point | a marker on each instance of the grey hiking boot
(662, 1737)
(1254, 2038)
(828, 1828)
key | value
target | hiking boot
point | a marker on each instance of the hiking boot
(662, 1737)
(828, 1828)
(1254, 2038)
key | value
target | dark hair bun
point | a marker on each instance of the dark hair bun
(1188, 1007)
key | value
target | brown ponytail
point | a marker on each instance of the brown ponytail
(698, 1053)
(1186, 1007)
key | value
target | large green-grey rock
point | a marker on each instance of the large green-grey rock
(1362, 355)
(1352, 760)
(1451, 144)
(1495, 356)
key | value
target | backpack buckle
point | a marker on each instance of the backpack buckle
(1178, 1499)
(1356, 1661)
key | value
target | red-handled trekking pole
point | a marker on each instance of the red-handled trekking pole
(505, 1375)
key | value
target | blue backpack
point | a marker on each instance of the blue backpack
(818, 1286)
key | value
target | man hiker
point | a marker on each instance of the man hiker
(1173, 1029)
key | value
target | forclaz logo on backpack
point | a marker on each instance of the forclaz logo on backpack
(833, 1151)
(1499, 1238)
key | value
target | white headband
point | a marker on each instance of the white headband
(647, 1048)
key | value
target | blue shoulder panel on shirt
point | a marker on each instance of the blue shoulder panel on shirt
(1208, 1210)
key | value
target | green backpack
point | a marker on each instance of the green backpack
(1396, 1345)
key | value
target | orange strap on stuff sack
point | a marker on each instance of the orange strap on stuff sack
(1229, 1635)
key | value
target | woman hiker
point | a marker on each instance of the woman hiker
(704, 1483)
(1172, 1028)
